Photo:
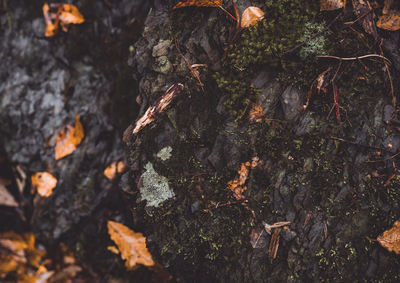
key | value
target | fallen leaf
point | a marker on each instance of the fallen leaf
(18, 254)
(69, 14)
(386, 7)
(132, 245)
(390, 21)
(256, 113)
(329, 5)
(198, 3)
(6, 198)
(51, 26)
(390, 239)
(44, 183)
(116, 167)
(68, 139)
(363, 8)
(251, 16)
(64, 15)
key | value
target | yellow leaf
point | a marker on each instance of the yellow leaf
(330, 5)
(44, 183)
(251, 16)
(390, 21)
(132, 245)
(68, 139)
(198, 3)
(111, 171)
(390, 239)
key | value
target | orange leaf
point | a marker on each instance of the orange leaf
(132, 245)
(390, 21)
(68, 139)
(256, 113)
(18, 253)
(198, 3)
(390, 239)
(44, 182)
(69, 14)
(251, 16)
(330, 5)
(111, 171)
(51, 27)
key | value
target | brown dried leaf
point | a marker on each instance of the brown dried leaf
(132, 245)
(256, 113)
(69, 14)
(18, 253)
(361, 8)
(390, 239)
(198, 3)
(6, 198)
(390, 21)
(113, 169)
(68, 139)
(330, 5)
(251, 16)
(44, 183)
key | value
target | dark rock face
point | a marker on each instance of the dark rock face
(44, 84)
(314, 174)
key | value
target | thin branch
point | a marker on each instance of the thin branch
(354, 58)
(383, 160)
(359, 18)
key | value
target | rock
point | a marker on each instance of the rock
(292, 102)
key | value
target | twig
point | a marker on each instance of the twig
(355, 143)
(236, 29)
(359, 18)
(354, 58)
(390, 77)
(194, 73)
(311, 38)
(230, 15)
(335, 93)
(383, 160)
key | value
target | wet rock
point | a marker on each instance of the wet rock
(292, 101)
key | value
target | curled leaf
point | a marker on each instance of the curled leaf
(251, 16)
(198, 3)
(390, 239)
(116, 167)
(389, 21)
(44, 183)
(330, 5)
(68, 139)
(256, 113)
(131, 245)
(56, 15)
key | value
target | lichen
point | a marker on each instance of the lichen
(155, 187)
(165, 153)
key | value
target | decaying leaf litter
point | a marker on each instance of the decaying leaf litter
(363, 15)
